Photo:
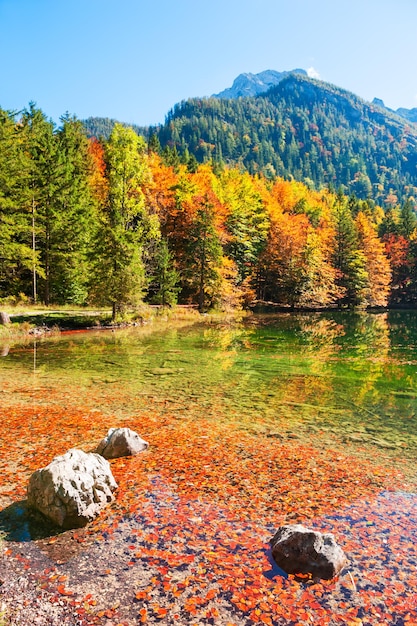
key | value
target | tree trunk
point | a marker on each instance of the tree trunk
(35, 295)
(202, 276)
(201, 291)
(4, 318)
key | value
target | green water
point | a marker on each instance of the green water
(351, 376)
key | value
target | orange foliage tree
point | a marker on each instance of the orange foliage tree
(376, 262)
(232, 237)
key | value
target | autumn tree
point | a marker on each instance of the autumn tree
(397, 249)
(125, 225)
(160, 192)
(246, 222)
(120, 220)
(319, 286)
(284, 259)
(377, 265)
(97, 174)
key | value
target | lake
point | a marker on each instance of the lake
(306, 418)
(350, 377)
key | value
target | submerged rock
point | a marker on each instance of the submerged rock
(121, 442)
(73, 489)
(300, 550)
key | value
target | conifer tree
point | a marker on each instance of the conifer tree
(73, 216)
(165, 279)
(348, 259)
(407, 220)
(16, 256)
(60, 202)
(45, 172)
(204, 253)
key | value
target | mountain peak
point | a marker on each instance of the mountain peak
(254, 84)
(379, 102)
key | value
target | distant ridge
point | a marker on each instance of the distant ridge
(407, 114)
(249, 85)
(101, 127)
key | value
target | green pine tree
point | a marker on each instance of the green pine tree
(348, 259)
(165, 281)
(16, 255)
(204, 253)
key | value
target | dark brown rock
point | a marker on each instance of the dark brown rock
(300, 550)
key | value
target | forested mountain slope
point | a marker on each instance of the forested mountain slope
(305, 129)
(101, 127)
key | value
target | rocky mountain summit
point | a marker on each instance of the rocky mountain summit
(254, 84)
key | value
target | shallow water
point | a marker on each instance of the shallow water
(346, 380)
(350, 375)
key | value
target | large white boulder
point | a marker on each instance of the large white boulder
(300, 550)
(121, 442)
(73, 489)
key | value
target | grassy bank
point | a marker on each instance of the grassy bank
(26, 321)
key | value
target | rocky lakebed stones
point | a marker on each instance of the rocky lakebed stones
(73, 489)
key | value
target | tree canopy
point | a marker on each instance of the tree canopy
(119, 221)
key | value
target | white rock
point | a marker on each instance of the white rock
(121, 442)
(73, 489)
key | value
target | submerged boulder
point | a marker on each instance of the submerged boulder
(300, 550)
(73, 489)
(121, 442)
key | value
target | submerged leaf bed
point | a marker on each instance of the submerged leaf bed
(187, 539)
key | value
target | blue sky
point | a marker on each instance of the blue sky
(132, 60)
